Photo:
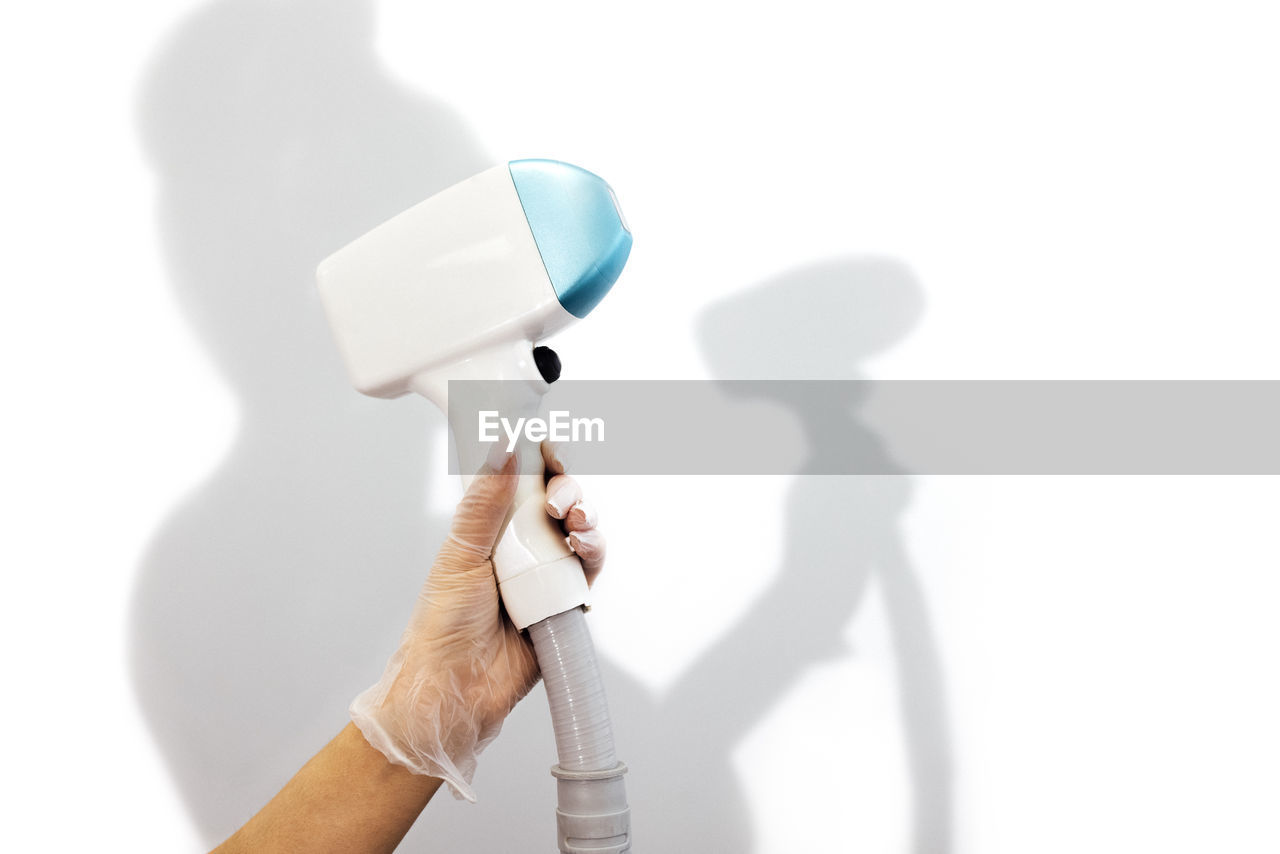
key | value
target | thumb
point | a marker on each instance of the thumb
(478, 519)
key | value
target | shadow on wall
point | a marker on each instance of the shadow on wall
(276, 590)
(842, 532)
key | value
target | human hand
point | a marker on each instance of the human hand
(462, 665)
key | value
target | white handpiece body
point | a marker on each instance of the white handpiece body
(456, 288)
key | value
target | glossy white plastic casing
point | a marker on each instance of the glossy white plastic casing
(455, 289)
(452, 276)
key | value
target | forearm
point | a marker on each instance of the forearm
(348, 798)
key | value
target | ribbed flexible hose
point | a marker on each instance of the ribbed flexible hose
(592, 816)
(579, 712)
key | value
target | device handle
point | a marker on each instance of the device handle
(538, 574)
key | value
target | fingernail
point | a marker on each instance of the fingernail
(560, 498)
(584, 514)
(551, 458)
(499, 458)
(585, 541)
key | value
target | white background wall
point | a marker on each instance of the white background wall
(1087, 191)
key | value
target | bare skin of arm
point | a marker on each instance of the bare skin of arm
(347, 798)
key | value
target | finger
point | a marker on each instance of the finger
(552, 461)
(581, 517)
(590, 548)
(562, 493)
(478, 519)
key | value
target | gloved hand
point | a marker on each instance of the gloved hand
(462, 665)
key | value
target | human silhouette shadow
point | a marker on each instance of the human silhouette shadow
(276, 590)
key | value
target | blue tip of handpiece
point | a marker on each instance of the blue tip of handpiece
(580, 233)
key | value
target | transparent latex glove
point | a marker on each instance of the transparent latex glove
(462, 665)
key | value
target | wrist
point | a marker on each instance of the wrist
(422, 729)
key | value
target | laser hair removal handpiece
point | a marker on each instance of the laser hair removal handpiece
(460, 287)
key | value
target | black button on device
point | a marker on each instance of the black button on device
(548, 363)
